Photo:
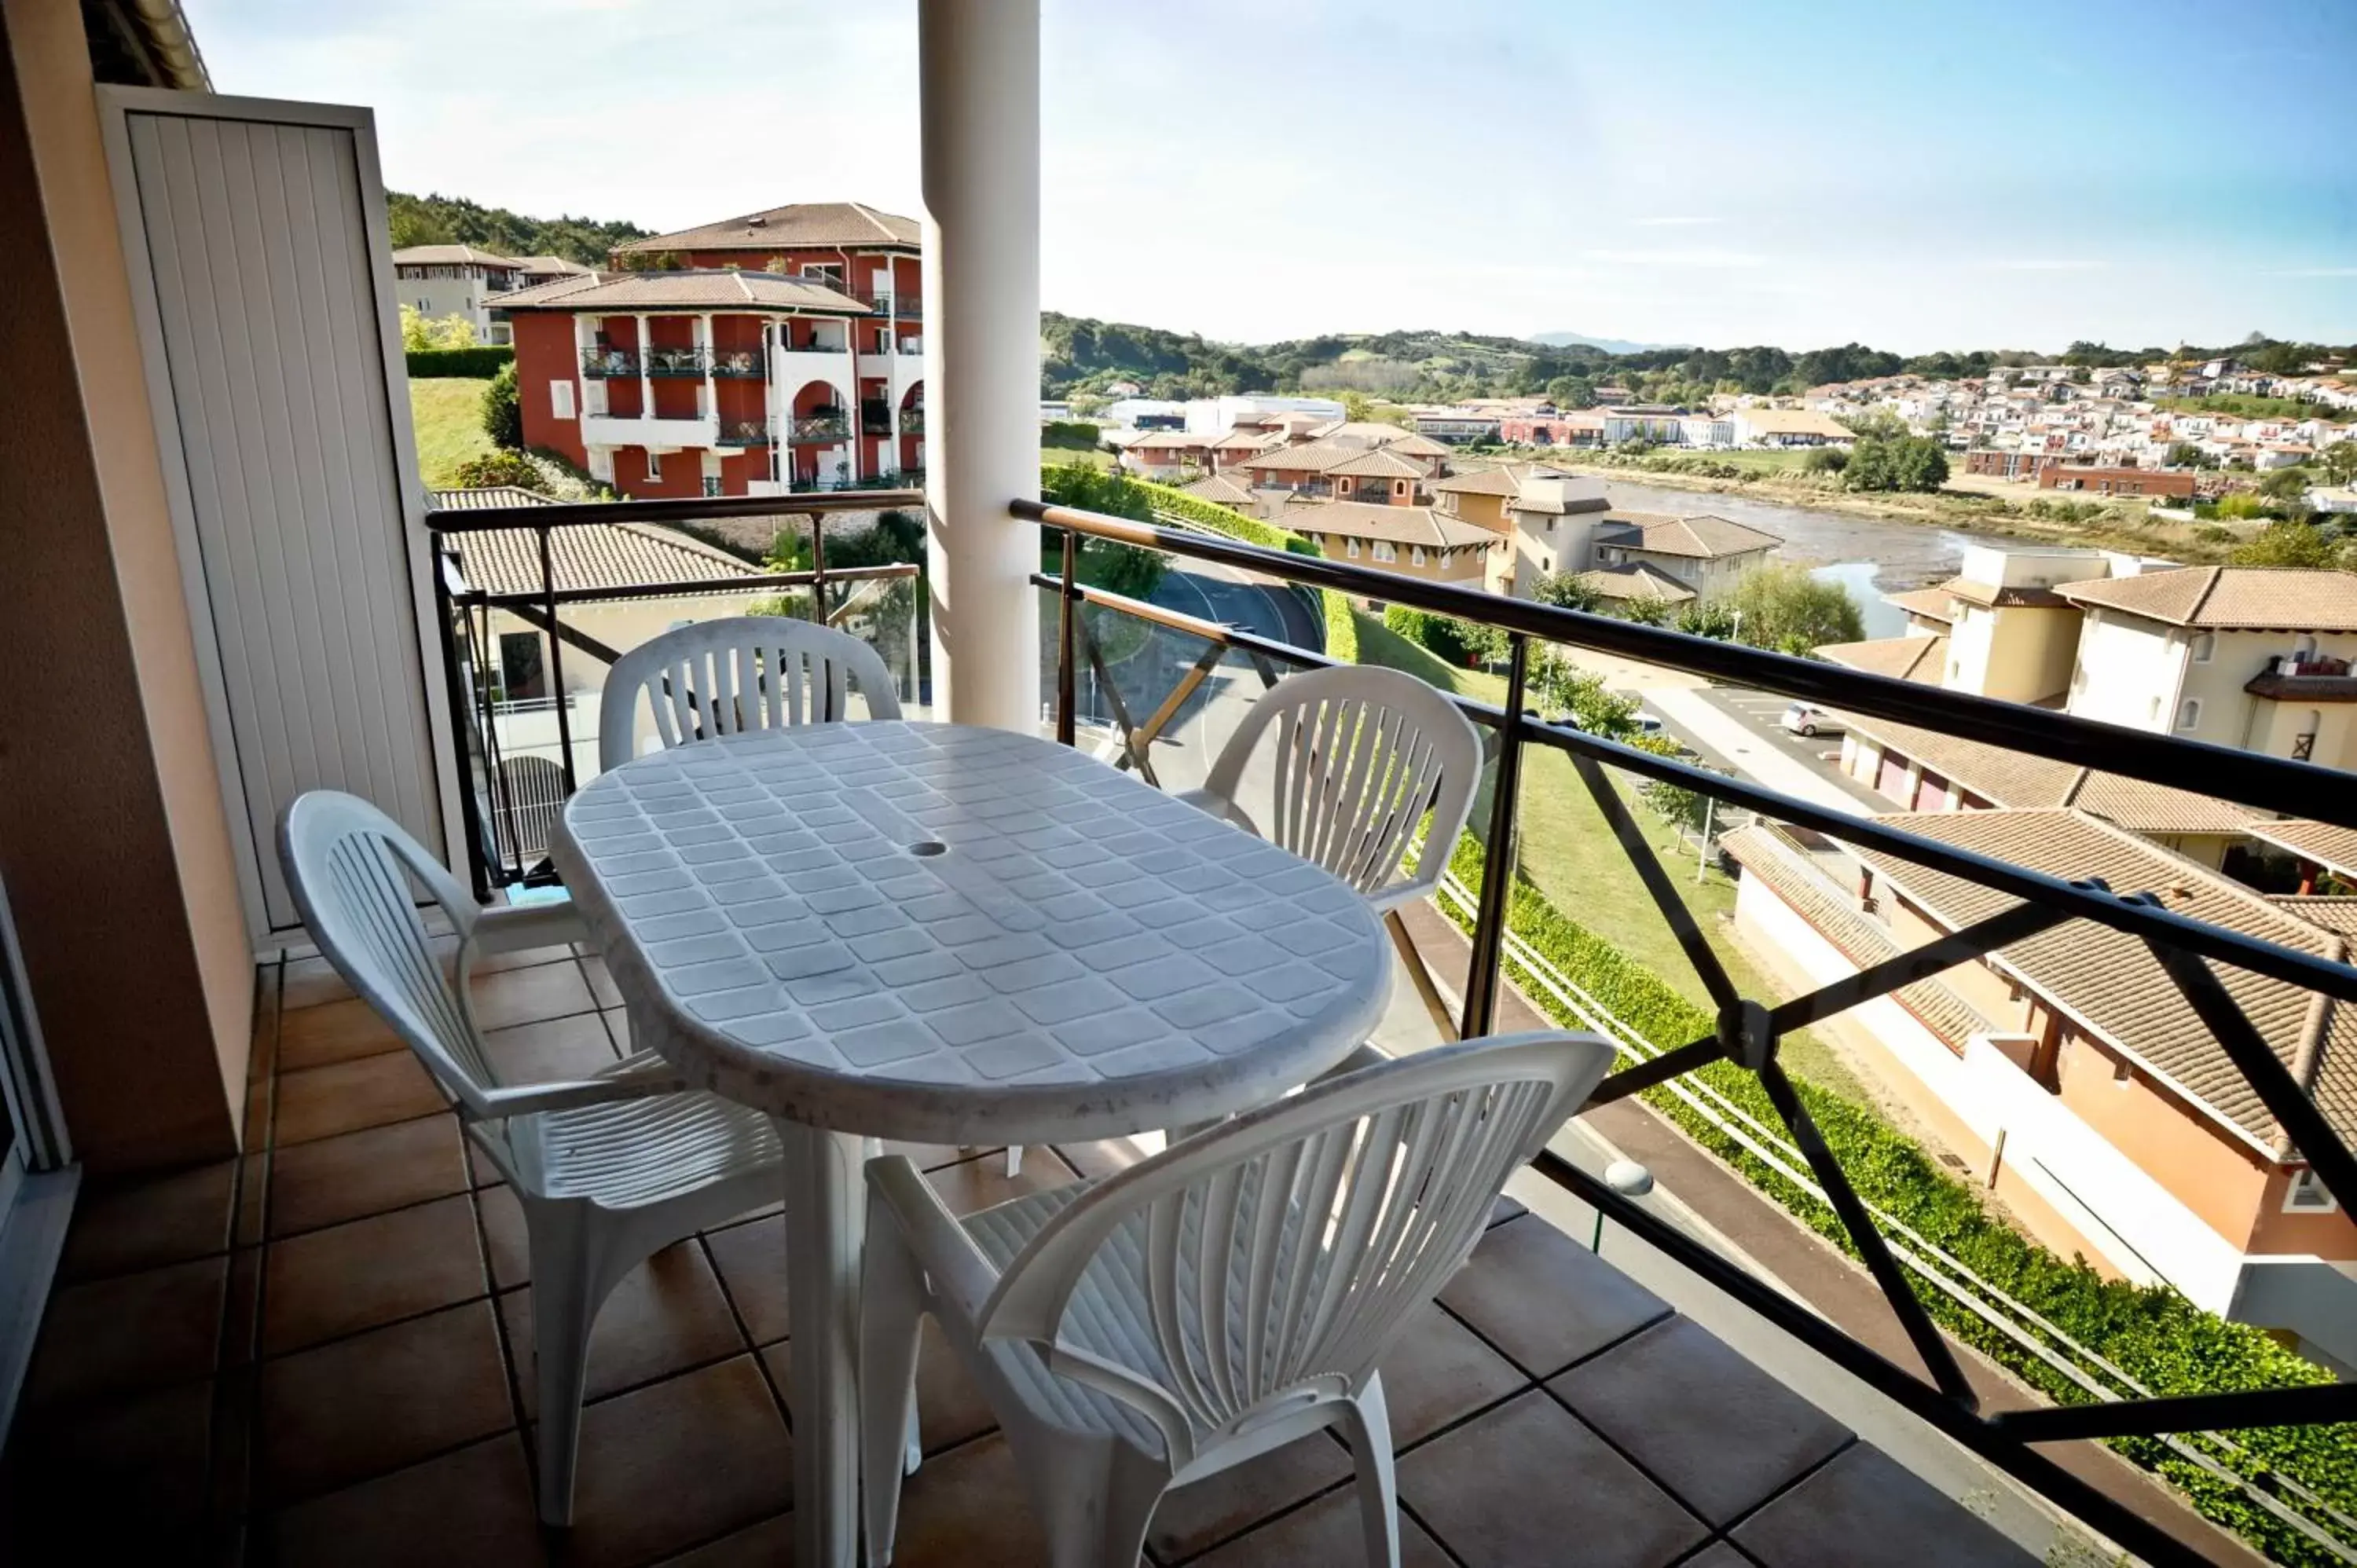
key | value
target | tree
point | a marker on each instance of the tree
(2339, 461)
(415, 335)
(1783, 606)
(1484, 644)
(2285, 545)
(503, 410)
(649, 261)
(2285, 484)
(1358, 407)
(1707, 618)
(1117, 568)
(2183, 455)
(1644, 612)
(1566, 591)
(1565, 691)
(419, 331)
(1571, 392)
(1824, 460)
(1896, 463)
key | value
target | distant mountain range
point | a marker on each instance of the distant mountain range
(1609, 345)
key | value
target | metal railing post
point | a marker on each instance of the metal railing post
(1068, 653)
(557, 662)
(1485, 964)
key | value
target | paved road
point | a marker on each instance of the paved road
(1739, 729)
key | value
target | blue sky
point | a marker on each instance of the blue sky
(1801, 172)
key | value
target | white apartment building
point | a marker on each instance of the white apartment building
(457, 280)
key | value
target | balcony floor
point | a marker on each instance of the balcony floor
(320, 1352)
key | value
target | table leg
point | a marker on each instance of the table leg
(826, 1213)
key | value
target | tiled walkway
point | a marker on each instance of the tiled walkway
(321, 1353)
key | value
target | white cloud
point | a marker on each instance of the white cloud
(2045, 264)
(1673, 222)
(1698, 257)
(2314, 272)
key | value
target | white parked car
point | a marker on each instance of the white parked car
(1810, 720)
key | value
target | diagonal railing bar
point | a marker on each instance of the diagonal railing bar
(1180, 690)
(1929, 1343)
(1671, 1064)
(1648, 866)
(2130, 1530)
(2315, 1405)
(1419, 974)
(2283, 1095)
(1957, 947)
(1105, 684)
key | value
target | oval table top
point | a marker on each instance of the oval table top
(958, 935)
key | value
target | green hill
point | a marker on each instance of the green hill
(454, 220)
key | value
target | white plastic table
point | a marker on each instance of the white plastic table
(947, 935)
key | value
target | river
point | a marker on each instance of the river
(1870, 556)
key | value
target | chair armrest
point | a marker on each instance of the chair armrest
(962, 1278)
(511, 928)
(633, 1080)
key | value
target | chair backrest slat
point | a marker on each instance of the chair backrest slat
(720, 677)
(1356, 755)
(1284, 1251)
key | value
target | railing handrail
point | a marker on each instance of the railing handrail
(2303, 789)
(685, 509)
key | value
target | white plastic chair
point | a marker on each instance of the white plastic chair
(746, 672)
(609, 1169)
(1360, 753)
(1210, 1303)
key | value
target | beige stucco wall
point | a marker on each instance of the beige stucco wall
(1464, 566)
(2140, 672)
(2017, 653)
(113, 837)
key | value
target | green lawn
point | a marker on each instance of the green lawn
(1568, 852)
(448, 413)
(1056, 456)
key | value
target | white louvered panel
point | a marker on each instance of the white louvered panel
(287, 461)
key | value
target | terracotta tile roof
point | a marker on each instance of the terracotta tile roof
(2338, 916)
(1166, 441)
(1931, 604)
(1382, 463)
(1637, 582)
(1701, 535)
(799, 226)
(1769, 852)
(1480, 482)
(1219, 490)
(557, 264)
(2026, 782)
(592, 555)
(2333, 848)
(1310, 457)
(1922, 659)
(1421, 525)
(450, 256)
(1244, 439)
(2248, 597)
(1990, 596)
(721, 290)
(1375, 433)
(2108, 979)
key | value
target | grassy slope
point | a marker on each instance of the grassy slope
(449, 419)
(1567, 849)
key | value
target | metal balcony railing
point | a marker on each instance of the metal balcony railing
(749, 364)
(2193, 1431)
(677, 362)
(524, 753)
(912, 422)
(603, 362)
(828, 426)
(745, 433)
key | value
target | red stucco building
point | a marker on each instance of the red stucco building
(781, 350)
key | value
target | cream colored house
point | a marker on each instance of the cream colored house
(458, 280)
(2251, 657)
(1411, 540)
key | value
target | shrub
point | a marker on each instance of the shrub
(1177, 504)
(1072, 434)
(2151, 1333)
(442, 364)
(503, 410)
(500, 468)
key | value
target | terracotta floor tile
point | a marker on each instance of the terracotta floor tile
(685, 1461)
(351, 1175)
(1867, 1508)
(1439, 1371)
(666, 1316)
(379, 1401)
(472, 1508)
(933, 1156)
(1718, 1554)
(1325, 1531)
(522, 958)
(368, 1271)
(241, 1307)
(751, 1259)
(1102, 1158)
(338, 1031)
(116, 1480)
(122, 1227)
(309, 982)
(1712, 1427)
(505, 1237)
(618, 1024)
(321, 1102)
(969, 1508)
(1546, 1300)
(1515, 1485)
(971, 1186)
(253, 1201)
(601, 983)
(552, 1049)
(510, 996)
(950, 1409)
(768, 1544)
(131, 1332)
(261, 1100)
(1194, 1518)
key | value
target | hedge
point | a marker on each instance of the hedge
(2151, 1333)
(1435, 634)
(1341, 632)
(435, 364)
(1342, 628)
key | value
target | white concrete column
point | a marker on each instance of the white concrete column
(646, 378)
(711, 399)
(978, 66)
